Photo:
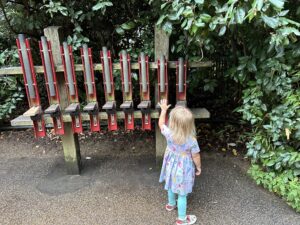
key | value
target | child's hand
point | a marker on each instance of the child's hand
(163, 105)
(198, 172)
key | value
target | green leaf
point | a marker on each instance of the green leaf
(222, 31)
(101, 5)
(161, 19)
(270, 21)
(128, 25)
(296, 172)
(168, 27)
(240, 15)
(288, 30)
(270, 163)
(200, 2)
(163, 5)
(277, 3)
(120, 31)
(260, 4)
(205, 17)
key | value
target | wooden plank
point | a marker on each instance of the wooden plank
(14, 70)
(33, 111)
(199, 113)
(69, 140)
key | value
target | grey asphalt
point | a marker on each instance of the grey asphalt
(122, 188)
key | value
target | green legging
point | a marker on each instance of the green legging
(181, 203)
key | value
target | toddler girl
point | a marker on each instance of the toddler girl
(178, 169)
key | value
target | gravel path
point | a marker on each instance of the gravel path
(120, 186)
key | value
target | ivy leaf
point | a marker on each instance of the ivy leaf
(222, 31)
(270, 21)
(277, 3)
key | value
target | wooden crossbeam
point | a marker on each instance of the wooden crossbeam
(199, 113)
(15, 70)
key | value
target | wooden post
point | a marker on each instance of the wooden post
(69, 140)
(161, 48)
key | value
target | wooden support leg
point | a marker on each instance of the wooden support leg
(71, 150)
(161, 48)
(160, 145)
(69, 140)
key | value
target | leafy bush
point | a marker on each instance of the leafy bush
(260, 40)
(284, 184)
(10, 93)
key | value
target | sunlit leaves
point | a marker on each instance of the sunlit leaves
(277, 3)
(270, 21)
(101, 5)
(222, 31)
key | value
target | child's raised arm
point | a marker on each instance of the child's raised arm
(164, 107)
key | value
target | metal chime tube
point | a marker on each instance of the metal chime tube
(26, 65)
(48, 66)
(125, 71)
(143, 66)
(162, 74)
(69, 69)
(180, 75)
(87, 69)
(106, 71)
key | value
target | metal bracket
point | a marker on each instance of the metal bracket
(74, 111)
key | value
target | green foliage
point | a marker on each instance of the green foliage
(260, 40)
(285, 184)
(10, 92)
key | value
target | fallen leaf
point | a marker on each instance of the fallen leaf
(234, 152)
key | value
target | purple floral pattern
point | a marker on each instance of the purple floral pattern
(178, 170)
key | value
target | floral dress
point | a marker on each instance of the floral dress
(178, 170)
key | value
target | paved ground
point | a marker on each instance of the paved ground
(119, 185)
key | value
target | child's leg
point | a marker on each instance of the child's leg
(171, 198)
(181, 205)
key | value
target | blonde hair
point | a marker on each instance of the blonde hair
(181, 124)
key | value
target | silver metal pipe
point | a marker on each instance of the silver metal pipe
(87, 67)
(48, 66)
(106, 71)
(26, 63)
(180, 74)
(125, 71)
(143, 67)
(162, 74)
(69, 68)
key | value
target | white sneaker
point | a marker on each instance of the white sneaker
(190, 219)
